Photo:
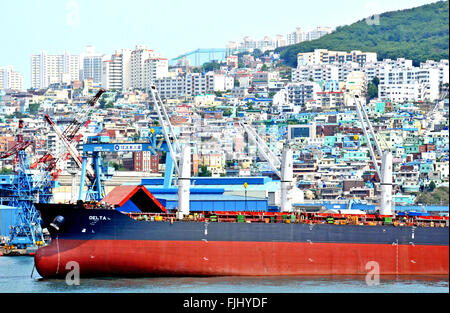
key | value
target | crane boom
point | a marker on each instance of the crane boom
(385, 174)
(69, 148)
(81, 117)
(164, 125)
(364, 127)
(68, 137)
(270, 157)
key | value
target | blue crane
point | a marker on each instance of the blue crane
(96, 145)
(26, 189)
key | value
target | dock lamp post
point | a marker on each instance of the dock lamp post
(245, 186)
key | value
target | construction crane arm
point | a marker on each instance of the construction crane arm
(270, 157)
(68, 137)
(82, 117)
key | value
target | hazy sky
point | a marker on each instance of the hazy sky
(170, 27)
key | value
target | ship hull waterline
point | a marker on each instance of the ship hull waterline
(191, 258)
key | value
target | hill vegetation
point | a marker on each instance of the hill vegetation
(436, 196)
(419, 34)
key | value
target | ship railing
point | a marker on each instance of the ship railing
(296, 217)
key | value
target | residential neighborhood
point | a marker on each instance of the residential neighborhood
(309, 108)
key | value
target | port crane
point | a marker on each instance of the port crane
(178, 156)
(385, 171)
(282, 168)
(35, 182)
(69, 138)
(24, 191)
(96, 145)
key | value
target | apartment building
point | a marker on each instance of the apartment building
(320, 56)
(442, 66)
(155, 68)
(408, 84)
(315, 72)
(48, 69)
(299, 93)
(171, 86)
(92, 65)
(137, 64)
(117, 70)
(10, 79)
(330, 100)
(296, 36)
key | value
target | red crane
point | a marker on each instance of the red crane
(69, 136)
(20, 145)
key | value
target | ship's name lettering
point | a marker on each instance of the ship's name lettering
(97, 218)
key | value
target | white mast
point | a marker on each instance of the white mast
(286, 180)
(184, 180)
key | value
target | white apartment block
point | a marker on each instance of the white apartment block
(411, 92)
(317, 33)
(315, 72)
(199, 83)
(324, 72)
(223, 82)
(442, 66)
(92, 65)
(372, 69)
(193, 84)
(320, 56)
(155, 68)
(47, 69)
(10, 79)
(298, 36)
(171, 87)
(300, 93)
(280, 41)
(408, 84)
(295, 37)
(116, 73)
(138, 57)
(92, 68)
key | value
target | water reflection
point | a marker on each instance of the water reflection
(283, 284)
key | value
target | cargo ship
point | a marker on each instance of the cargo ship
(107, 242)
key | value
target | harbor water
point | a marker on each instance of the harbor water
(17, 275)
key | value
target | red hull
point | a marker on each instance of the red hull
(219, 258)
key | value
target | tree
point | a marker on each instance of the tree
(6, 171)
(418, 34)
(264, 68)
(431, 186)
(372, 91)
(227, 112)
(33, 107)
(376, 81)
(203, 172)
(210, 66)
(102, 102)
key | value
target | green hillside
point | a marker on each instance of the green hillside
(419, 34)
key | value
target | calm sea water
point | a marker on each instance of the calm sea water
(15, 277)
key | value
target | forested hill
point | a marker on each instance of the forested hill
(418, 34)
